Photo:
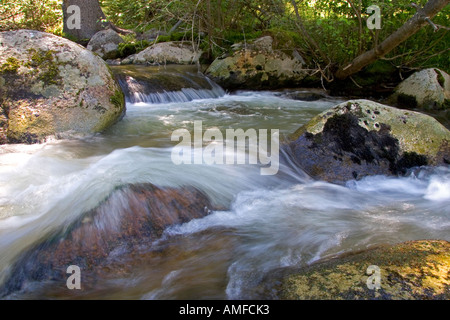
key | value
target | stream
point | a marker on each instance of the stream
(265, 222)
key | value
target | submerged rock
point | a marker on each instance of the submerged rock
(50, 86)
(428, 89)
(257, 66)
(358, 138)
(105, 43)
(175, 52)
(102, 241)
(410, 270)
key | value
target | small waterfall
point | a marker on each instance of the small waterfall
(172, 84)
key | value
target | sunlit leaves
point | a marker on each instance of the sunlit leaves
(42, 15)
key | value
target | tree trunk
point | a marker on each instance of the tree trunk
(413, 25)
(92, 19)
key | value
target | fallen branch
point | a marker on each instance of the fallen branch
(421, 18)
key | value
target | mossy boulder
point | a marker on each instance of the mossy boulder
(358, 138)
(408, 271)
(256, 65)
(427, 89)
(50, 86)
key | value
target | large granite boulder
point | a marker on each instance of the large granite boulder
(50, 86)
(427, 89)
(256, 65)
(358, 138)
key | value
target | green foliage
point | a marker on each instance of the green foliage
(44, 65)
(440, 78)
(10, 66)
(126, 49)
(118, 99)
(338, 27)
(134, 14)
(177, 36)
(232, 36)
(129, 48)
(335, 26)
(284, 39)
(42, 15)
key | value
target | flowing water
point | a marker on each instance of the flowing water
(266, 222)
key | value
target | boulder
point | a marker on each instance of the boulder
(428, 89)
(175, 52)
(105, 43)
(103, 241)
(257, 66)
(358, 138)
(128, 60)
(408, 271)
(50, 86)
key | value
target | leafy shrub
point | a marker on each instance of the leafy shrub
(129, 48)
(42, 15)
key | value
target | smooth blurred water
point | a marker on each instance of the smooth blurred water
(273, 221)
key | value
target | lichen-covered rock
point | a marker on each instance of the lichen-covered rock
(410, 270)
(257, 66)
(105, 43)
(427, 90)
(50, 86)
(176, 52)
(103, 240)
(358, 138)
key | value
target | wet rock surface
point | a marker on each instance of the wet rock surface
(360, 138)
(103, 241)
(408, 271)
